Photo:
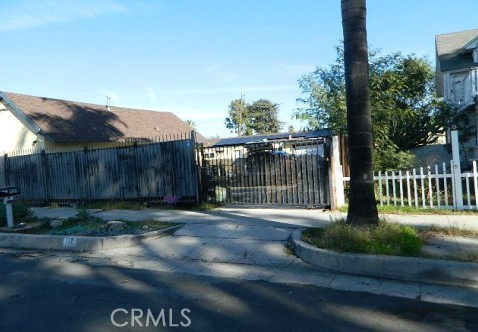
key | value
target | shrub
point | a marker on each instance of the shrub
(83, 215)
(21, 213)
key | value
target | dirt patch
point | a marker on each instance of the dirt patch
(88, 227)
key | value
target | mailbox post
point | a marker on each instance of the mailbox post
(7, 194)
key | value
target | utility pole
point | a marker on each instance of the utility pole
(241, 109)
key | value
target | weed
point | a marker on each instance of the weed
(208, 206)
(447, 231)
(83, 214)
(110, 205)
(289, 250)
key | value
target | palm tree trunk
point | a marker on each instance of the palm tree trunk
(362, 205)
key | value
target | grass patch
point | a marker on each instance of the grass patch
(433, 231)
(392, 209)
(385, 239)
(203, 206)
(115, 205)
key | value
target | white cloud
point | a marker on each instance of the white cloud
(24, 14)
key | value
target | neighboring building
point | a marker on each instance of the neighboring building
(29, 122)
(457, 77)
(293, 143)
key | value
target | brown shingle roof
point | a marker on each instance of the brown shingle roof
(66, 121)
(449, 46)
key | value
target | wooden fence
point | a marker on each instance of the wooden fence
(163, 171)
(428, 187)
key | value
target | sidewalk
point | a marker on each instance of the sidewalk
(255, 216)
(261, 221)
(250, 244)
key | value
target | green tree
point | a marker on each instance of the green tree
(405, 110)
(362, 206)
(260, 117)
(263, 115)
(238, 121)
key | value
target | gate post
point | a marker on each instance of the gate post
(337, 196)
(457, 189)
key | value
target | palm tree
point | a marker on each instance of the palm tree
(191, 124)
(362, 205)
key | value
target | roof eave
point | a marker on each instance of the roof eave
(470, 46)
(22, 117)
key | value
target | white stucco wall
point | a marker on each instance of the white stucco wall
(14, 135)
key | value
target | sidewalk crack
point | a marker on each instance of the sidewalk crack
(331, 281)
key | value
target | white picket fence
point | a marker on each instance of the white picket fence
(435, 187)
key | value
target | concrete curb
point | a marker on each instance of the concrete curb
(79, 243)
(427, 270)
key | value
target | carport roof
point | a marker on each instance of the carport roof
(272, 137)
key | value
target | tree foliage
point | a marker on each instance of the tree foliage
(238, 121)
(406, 112)
(191, 123)
(260, 117)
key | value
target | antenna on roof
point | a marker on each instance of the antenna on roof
(108, 102)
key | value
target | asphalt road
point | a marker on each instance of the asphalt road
(38, 295)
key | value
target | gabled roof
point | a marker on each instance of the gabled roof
(449, 48)
(65, 121)
(470, 46)
(272, 137)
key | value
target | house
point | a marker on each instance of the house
(457, 77)
(32, 123)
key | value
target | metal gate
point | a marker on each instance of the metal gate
(288, 172)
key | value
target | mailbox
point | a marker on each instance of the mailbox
(9, 191)
(7, 194)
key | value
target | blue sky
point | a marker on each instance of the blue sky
(193, 57)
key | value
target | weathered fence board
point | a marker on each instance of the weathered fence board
(161, 171)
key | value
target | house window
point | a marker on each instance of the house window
(457, 87)
(475, 82)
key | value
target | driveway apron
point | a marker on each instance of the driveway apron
(225, 243)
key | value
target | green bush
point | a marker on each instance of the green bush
(21, 213)
(384, 239)
(83, 215)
